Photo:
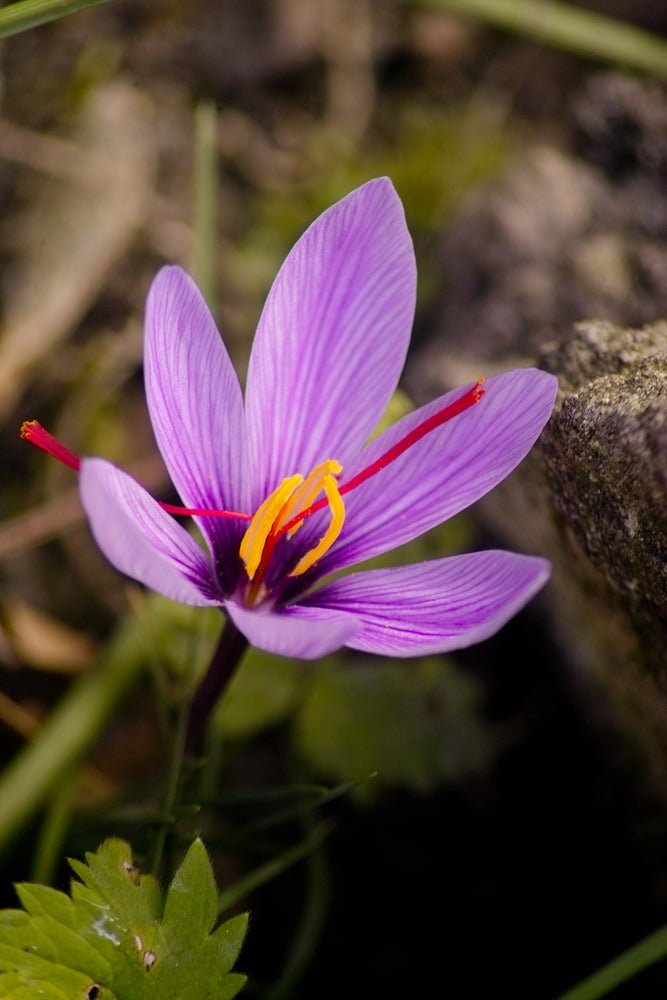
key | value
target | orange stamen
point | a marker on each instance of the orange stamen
(280, 507)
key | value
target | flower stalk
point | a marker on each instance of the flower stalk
(226, 658)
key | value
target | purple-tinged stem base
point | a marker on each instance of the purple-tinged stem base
(232, 644)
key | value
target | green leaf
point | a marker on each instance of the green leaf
(116, 939)
(193, 976)
(101, 927)
(30, 13)
(112, 874)
(73, 951)
(566, 26)
(52, 941)
(43, 901)
(19, 970)
(415, 724)
(19, 931)
(13, 988)
(228, 940)
(191, 906)
(197, 964)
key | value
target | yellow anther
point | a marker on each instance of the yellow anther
(304, 495)
(252, 543)
(293, 497)
(330, 487)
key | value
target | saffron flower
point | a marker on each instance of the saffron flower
(285, 488)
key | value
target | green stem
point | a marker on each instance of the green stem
(265, 873)
(213, 750)
(71, 729)
(172, 785)
(191, 727)
(571, 28)
(54, 828)
(205, 200)
(31, 13)
(310, 926)
(629, 964)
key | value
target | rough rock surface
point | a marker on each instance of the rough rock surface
(557, 240)
(593, 498)
(605, 452)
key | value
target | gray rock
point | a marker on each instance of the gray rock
(556, 240)
(592, 497)
(605, 456)
(595, 501)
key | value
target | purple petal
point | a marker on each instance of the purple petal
(446, 470)
(196, 409)
(140, 539)
(435, 606)
(304, 633)
(332, 338)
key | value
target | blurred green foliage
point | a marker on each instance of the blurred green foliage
(415, 724)
(433, 156)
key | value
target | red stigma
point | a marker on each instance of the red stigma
(32, 430)
(202, 512)
(469, 398)
(464, 402)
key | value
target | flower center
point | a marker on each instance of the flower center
(282, 513)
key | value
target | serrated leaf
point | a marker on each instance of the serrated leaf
(228, 940)
(22, 969)
(43, 901)
(193, 977)
(49, 939)
(18, 930)
(116, 941)
(73, 950)
(196, 964)
(203, 972)
(191, 906)
(106, 930)
(111, 872)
